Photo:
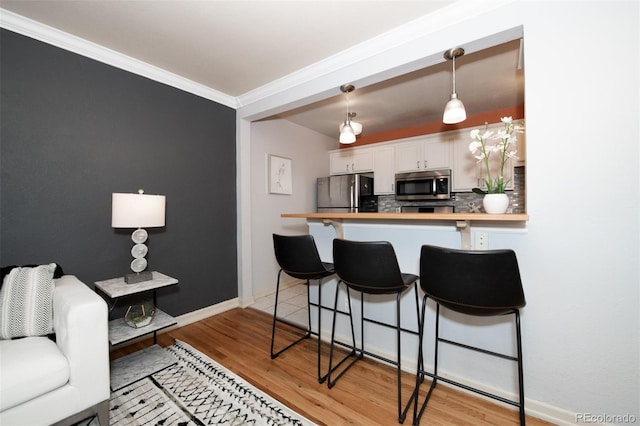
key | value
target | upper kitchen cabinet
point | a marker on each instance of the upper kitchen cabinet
(384, 170)
(424, 153)
(343, 161)
(466, 170)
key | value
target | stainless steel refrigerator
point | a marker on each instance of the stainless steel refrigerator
(346, 193)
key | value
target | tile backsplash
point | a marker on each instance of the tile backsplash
(464, 202)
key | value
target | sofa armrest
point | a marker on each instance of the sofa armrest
(80, 318)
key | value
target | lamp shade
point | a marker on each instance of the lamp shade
(137, 210)
(454, 111)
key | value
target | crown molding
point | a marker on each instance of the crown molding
(50, 35)
(351, 57)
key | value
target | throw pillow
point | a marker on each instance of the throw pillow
(4, 271)
(26, 302)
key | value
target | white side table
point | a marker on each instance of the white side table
(137, 365)
(119, 331)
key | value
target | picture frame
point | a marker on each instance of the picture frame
(280, 175)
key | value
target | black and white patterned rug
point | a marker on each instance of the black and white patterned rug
(197, 391)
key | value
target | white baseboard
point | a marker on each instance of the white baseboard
(203, 313)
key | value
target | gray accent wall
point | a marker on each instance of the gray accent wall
(74, 130)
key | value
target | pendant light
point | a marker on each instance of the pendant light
(349, 128)
(357, 127)
(454, 111)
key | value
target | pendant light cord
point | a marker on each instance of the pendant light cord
(348, 117)
(454, 73)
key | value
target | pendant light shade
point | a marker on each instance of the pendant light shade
(347, 135)
(454, 111)
(357, 127)
(349, 128)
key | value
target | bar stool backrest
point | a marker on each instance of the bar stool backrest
(474, 282)
(298, 256)
(368, 266)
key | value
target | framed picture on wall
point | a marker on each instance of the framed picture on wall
(280, 176)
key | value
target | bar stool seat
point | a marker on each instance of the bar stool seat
(477, 283)
(370, 267)
(297, 256)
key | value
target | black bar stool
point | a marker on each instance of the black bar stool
(478, 283)
(298, 257)
(370, 268)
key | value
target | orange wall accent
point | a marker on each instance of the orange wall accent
(516, 112)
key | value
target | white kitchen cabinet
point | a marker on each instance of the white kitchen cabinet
(449, 150)
(356, 160)
(409, 156)
(426, 153)
(384, 170)
(465, 171)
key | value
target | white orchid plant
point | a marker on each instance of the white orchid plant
(501, 143)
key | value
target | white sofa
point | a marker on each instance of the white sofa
(44, 382)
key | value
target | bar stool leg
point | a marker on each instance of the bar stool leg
(402, 412)
(401, 415)
(321, 378)
(273, 327)
(308, 308)
(418, 415)
(331, 383)
(275, 314)
(520, 369)
(420, 372)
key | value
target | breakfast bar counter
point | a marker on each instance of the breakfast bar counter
(463, 221)
(507, 217)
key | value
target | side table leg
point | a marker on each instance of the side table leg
(155, 306)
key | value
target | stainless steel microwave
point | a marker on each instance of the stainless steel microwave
(427, 185)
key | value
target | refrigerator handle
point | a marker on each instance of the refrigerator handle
(352, 196)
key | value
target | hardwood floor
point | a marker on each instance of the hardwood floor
(240, 338)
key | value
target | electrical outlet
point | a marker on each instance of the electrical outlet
(482, 241)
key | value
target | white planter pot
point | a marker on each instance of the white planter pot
(495, 203)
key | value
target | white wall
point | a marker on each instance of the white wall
(580, 256)
(308, 152)
(580, 260)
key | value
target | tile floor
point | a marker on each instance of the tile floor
(292, 305)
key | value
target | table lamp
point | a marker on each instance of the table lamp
(138, 211)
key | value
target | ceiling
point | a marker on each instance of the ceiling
(236, 47)
(485, 81)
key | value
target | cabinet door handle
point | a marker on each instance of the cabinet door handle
(418, 164)
(425, 164)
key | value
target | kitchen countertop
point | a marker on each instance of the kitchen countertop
(508, 217)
